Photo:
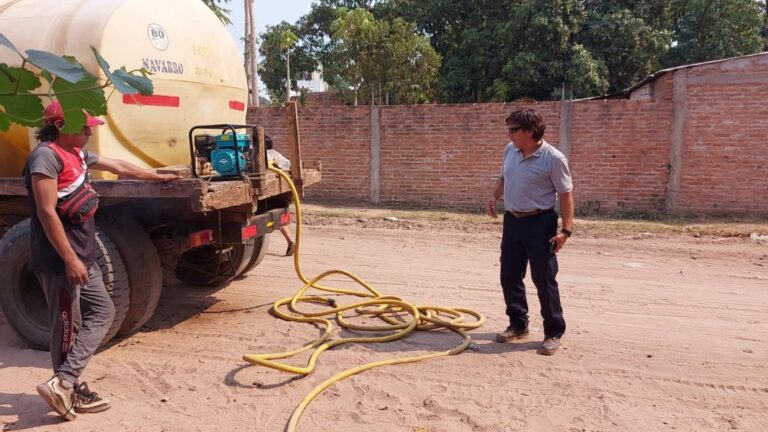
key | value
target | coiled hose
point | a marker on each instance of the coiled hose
(398, 317)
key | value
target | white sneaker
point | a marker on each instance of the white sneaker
(59, 398)
(87, 401)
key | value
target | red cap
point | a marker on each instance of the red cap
(54, 112)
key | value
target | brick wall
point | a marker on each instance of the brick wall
(624, 154)
(339, 137)
(620, 155)
(725, 149)
(446, 154)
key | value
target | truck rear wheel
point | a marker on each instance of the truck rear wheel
(205, 266)
(22, 297)
(145, 275)
(115, 278)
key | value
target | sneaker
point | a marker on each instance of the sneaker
(87, 401)
(61, 399)
(511, 334)
(291, 249)
(550, 346)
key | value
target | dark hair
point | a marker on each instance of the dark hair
(268, 141)
(528, 119)
(48, 132)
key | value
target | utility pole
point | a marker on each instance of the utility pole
(251, 65)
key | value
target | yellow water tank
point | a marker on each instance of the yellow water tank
(197, 69)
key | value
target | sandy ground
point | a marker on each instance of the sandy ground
(664, 333)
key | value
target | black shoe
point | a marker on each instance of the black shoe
(87, 401)
(291, 249)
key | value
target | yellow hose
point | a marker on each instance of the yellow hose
(400, 318)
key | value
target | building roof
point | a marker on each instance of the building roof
(625, 94)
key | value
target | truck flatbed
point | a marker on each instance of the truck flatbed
(203, 195)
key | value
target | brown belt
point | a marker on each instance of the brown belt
(519, 215)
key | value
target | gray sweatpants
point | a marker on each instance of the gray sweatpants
(80, 316)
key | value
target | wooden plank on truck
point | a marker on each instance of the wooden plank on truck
(183, 188)
(222, 195)
(294, 142)
(275, 185)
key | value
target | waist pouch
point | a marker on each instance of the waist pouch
(78, 206)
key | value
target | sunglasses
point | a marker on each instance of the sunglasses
(514, 129)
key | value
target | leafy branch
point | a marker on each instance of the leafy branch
(66, 80)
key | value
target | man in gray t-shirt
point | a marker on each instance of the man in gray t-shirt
(534, 176)
(62, 255)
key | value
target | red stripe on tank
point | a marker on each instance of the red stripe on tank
(154, 100)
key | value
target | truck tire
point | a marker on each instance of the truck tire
(115, 277)
(145, 274)
(204, 266)
(260, 247)
(23, 300)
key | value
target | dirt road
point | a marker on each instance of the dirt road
(664, 333)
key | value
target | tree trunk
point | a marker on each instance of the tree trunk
(251, 65)
(288, 75)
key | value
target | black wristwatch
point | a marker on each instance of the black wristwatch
(567, 232)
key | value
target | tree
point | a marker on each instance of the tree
(628, 39)
(287, 40)
(22, 87)
(274, 64)
(366, 57)
(494, 50)
(764, 31)
(412, 64)
(251, 65)
(542, 57)
(466, 35)
(713, 29)
(358, 39)
(222, 13)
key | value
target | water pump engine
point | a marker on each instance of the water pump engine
(228, 154)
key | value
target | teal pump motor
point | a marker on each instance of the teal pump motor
(232, 154)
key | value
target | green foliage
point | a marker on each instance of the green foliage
(65, 78)
(18, 106)
(276, 41)
(412, 64)
(125, 82)
(369, 56)
(625, 42)
(713, 29)
(222, 13)
(491, 50)
(57, 65)
(357, 40)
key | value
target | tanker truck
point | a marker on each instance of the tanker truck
(205, 229)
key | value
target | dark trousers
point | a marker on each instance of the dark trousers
(527, 240)
(80, 316)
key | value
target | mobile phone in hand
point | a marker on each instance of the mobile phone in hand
(552, 246)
